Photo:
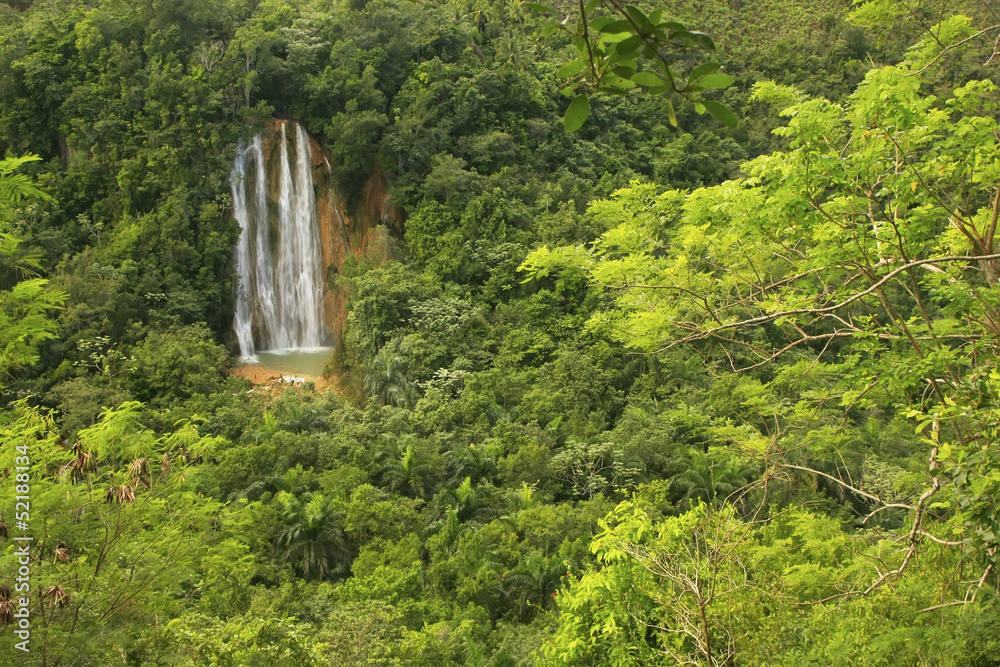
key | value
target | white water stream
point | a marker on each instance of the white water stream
(279, 303)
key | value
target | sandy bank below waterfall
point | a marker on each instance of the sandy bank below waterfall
(268, 378)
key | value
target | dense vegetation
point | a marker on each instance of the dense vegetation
(636, 394)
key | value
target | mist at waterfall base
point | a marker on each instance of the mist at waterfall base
(279, 319)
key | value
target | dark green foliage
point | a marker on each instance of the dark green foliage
(176, 364)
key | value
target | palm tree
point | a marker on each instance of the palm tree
(534, 583)
(519, 500)
(456, 508)
(476, 656)
(311, 538)
(386, 378)
(299, 416)
(470, 503)
(449, 525)
(712, 481)
(389, 446)
(496, 414)
(472, 461)
(406, 473)
(266, 430)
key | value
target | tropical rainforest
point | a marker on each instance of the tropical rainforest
(680, 347)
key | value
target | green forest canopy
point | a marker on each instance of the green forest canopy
(656, 391)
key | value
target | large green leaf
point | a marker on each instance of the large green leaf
(572, 68)
(647, 79)
(704, 69)
(536, 7)
(639, 18)
(721, 113)
(576, 113)
(717, 80)
(619, 26)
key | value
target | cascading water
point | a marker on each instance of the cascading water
(280, 294)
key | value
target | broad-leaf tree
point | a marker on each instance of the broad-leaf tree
(862, 261)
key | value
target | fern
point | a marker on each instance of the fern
(15, 187)
(25, 309)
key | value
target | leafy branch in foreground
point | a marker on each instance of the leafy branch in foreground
(863, 262)
(621, 49)
(25, 308)
(118, 533)
(15, 187)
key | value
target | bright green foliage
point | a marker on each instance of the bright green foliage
(15, 187)
(862, 256)
(26, 306)
(707, 588)
(117, 531)
(25, 322)
(680, 581)
(256, 640)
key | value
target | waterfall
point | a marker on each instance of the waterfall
(279, 300)
(243, 321)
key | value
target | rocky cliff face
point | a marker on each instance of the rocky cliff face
(340, 235)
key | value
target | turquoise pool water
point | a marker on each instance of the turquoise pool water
(306, 362)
